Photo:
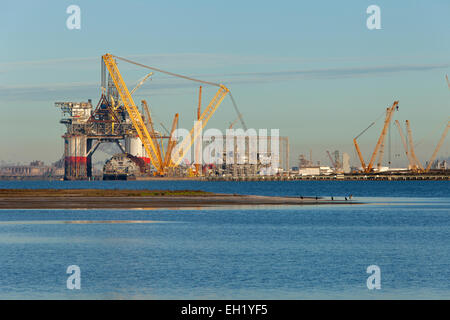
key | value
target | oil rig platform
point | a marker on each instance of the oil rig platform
(144, 150)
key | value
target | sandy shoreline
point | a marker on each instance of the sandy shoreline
(126, 199)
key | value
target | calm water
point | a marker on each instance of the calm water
(241, 253)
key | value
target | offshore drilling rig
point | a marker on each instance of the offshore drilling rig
(87, 128)
(117, 119)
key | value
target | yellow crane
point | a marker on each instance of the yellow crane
(186, 144)
(136, 117)
(132, 110)
(416, 166)
(415, 163)
(358, 151)
(379, 148)
(439, 145)
(171, 143)
(405, 145)
(116, 106)
(380, 144)
(441, 141)
(153, 134)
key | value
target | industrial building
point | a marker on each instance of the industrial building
(33, 170)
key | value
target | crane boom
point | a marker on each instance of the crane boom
(165, 129)
(381, 151)
(405, 145)
(136, 118)
(417, 164)
(204, 118)
(365, 130)
(439, 145)
(147, 114)
(152, 133)
(132, 110)
(358, 151)
(241, 118)
(137, 86)
(331, 159)
(141, 83)
(387, 120)
(171, 143)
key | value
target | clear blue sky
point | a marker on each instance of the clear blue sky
(310, 68)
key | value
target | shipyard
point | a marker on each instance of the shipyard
(199, 155)
(242, 154)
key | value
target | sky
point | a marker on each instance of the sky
(309, 68)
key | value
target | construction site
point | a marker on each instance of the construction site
(147, 153)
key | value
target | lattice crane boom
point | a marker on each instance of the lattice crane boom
(141, 83)
(171, 143)
(417, 164)
(380, 142)
(405, 145)
(331, 159)
(132, 110)
(358, 151)
(186, 144)
(439, 145)
(135, 116)
(152, 133)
